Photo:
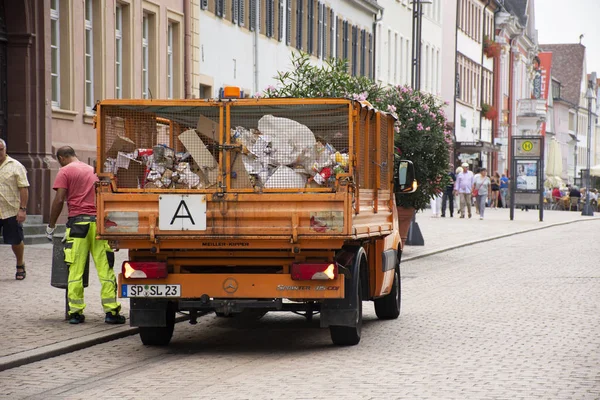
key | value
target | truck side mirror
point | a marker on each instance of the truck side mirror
(407, 183)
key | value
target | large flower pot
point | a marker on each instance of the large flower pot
(405, 216)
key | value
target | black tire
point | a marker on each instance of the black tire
(159, 336)
(349, 335)
(388, 306)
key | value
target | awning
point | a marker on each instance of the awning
(477, 147)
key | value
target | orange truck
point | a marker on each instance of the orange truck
(249, 206)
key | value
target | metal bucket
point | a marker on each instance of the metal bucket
(59, 277)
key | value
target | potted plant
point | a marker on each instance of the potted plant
(421, 133)
(491, 48)
(489, 111)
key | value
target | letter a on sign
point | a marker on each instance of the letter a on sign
(182, 212)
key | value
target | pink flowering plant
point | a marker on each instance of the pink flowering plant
(421, 136)
(421, 133)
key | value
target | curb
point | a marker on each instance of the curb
(68, 346)
(489, 239)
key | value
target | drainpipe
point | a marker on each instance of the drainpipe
(256, 27)
(374, 63)
(187, 56)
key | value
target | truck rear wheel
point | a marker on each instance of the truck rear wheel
(159, 335)
(349, 335)
(388, 307)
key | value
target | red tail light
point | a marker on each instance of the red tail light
(308, 272)
(144, 269)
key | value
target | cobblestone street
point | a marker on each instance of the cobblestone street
(513, 318)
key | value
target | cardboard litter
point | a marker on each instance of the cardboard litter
(122, 144)
(240, 179)
(132, 177)
(208, 128)
(195, 146)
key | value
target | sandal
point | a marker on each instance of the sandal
(21, 273)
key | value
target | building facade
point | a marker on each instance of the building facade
(245, 43)
(474, 83)
(59, 57)
(516, 35)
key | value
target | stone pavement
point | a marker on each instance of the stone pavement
(33, 326)
(506, 319)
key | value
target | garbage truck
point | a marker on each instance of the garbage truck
(237, 206)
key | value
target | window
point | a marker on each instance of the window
(345, 39)
(253, 23)
(145, 56)
(220, 8)
(395, 58)
(319, 31)
(324, 30)
(89, 57)
(469, 76)
(280, 13)
(119, 51)
(363, 52)
(299, 18)
(389, 56)
(269, 23)
(55, 52)
(170, 61)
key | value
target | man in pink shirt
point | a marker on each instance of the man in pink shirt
(76, 183)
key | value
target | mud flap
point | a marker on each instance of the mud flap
(343, 312)
(148, 313)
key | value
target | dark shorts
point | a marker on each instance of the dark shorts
(11, 230)
(495, 188)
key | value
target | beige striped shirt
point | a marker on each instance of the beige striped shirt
(13, 176)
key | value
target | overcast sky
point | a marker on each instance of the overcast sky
(562, 21)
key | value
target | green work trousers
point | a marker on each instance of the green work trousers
(80, 241)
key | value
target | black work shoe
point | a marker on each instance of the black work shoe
(114, 319)
(443, 216)
(76, 318)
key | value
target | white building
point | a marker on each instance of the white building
(246, 42)
(474, 82)
(394, 45)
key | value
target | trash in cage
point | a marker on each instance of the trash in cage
(285, 178)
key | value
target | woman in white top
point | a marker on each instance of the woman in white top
(482, 184)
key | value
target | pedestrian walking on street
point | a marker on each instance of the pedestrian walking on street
(495, 190)
(463, 186)
(448, 196)
(504, 190)
(473, 195)
(14, 194)
(436, 205)
(481, 190)
(76, 183)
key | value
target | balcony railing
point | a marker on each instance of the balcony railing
(531, 108)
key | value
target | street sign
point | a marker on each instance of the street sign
(528, 147)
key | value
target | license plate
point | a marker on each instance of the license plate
(182, 212)
(150, 290)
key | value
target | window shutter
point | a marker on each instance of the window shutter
(252, 16)
(270, 18)
(218, 11)
(281, 28)
(235, 11)
(309, 28)
(320, 31)
(363, 52)
(299, 17)
(288, 22)
(370, 62)
(242, 13)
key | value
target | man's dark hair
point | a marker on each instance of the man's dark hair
(482, 169)
(65, 151)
